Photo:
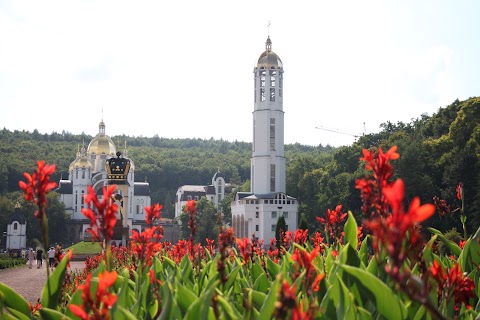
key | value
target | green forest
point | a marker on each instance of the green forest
(437, 152)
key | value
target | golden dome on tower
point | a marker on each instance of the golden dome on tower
(268, 58)
(101, 143)
(81, 161)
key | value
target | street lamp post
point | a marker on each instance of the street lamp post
(5, 240)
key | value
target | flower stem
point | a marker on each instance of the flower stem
(45, 242)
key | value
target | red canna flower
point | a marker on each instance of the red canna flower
(398, 233)
(371, 189)
(225, 242)
(245, 249)
(191, 206)
(210, 247)
(35, 308)
(317, 240)
(38, 186)
(304, 261)
(96, 307)
(152, 213)
(460, 191)
(442, 206)
(147, 243)
(287, 306)
(300, 236)
(332, 221)
(453, 283)
(462, 243)
(104, 218)
(316, 282)
(191, 210)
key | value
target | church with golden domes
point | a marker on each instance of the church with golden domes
(89, 168)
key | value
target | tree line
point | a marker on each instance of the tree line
(437, 153)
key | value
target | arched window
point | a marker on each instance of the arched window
(15, 226)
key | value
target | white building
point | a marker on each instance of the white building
(89, 168)
(257, 212)
(16, 231)
(214, 192)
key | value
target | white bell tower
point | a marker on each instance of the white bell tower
(268, 158)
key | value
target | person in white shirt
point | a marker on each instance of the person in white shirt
(51, 257)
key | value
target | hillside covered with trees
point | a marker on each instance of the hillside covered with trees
(437, 153)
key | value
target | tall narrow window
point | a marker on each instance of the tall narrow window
(262, 94)
(83, 173)
(272, 178)
(273, 73)
(15, 226)
(272, 94)
(83, 199)
(262, 81)
(272, 133)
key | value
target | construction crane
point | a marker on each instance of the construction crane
(343, 132)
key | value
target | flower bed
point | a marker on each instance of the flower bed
(383, 269)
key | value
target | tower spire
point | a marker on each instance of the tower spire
(268, 43)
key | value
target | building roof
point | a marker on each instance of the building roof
(192, 188)
(17, 216)
(65, 187)
(251, 196)
(210, 189)
(141, 189)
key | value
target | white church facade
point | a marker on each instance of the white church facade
(16, 236)
(257, 212)
(89, 168)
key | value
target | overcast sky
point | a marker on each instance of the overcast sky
(184, 69)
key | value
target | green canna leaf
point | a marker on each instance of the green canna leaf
(452, 246)
(261, 284)
(384, 299)
(54, 282)
(269, 303)
(346, 306)
(51, 314)
(184, 297)
(350, 230)
(14, 302)
(201, 307)
(229, 312)
(272, 268)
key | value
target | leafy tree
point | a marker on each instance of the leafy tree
(279, 230)
(303, 222)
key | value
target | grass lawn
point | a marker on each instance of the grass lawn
(85, 247)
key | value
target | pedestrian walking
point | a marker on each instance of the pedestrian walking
(31, 256)
(51, 257)
(39, 258)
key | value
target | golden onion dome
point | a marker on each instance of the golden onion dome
(102, 144)
(81, 162)
(268, 58)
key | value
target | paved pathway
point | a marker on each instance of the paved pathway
(29, 282)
